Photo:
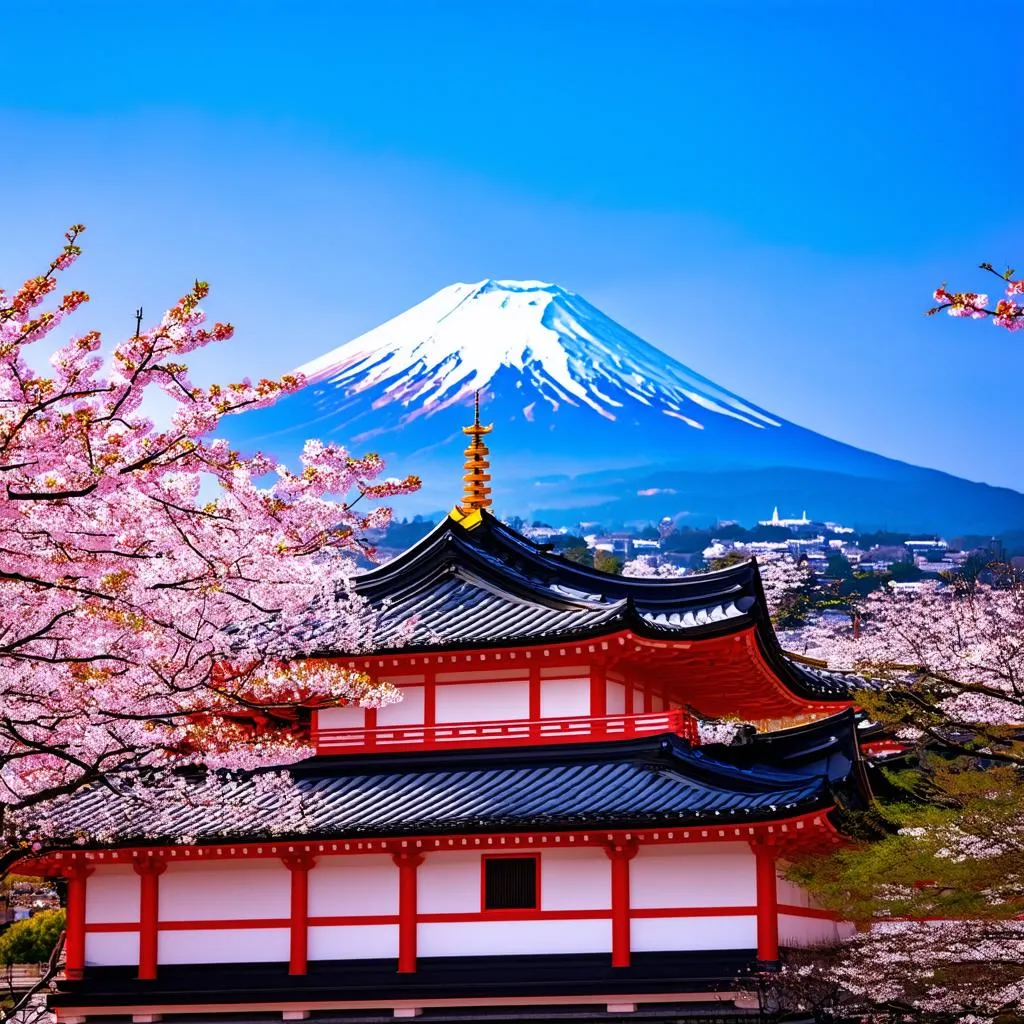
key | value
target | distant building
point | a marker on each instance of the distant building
(788, 523)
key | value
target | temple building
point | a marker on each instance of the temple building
(546, 827)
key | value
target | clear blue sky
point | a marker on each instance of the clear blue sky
(767, 190)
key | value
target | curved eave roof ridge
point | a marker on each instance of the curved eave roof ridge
(451, 544)
(753, 777)
(457, 558)
(735, 577)
(806, 735)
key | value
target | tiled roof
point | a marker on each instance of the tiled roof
(660, 780)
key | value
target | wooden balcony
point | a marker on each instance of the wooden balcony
(525, 732)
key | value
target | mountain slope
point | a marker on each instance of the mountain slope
(590, 419)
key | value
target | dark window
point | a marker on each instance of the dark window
(510, 883)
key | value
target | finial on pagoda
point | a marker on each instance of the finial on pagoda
(476, 492)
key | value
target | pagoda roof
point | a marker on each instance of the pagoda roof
(659, 781)
(485, 586)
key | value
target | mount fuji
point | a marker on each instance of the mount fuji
(591, 422)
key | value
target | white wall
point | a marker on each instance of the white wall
(687, 933)
(340, 718)
(107, 949)
(112, 895)
(225, 891)
(473, 938)
(483, 701)
(564, 698)
(702, 875)
(353, 886)
(449, 883)
(615, 697)
(575, 880)
(805, 931)
(788, 892)
(409, 711)
(224, 946)
(353, 942)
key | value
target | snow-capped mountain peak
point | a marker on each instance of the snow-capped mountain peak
(562, 349)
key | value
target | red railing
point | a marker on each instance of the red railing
(505, 734)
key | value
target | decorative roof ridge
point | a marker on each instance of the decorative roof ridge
(452, 555)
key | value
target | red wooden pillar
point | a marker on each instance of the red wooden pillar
(298, 940)
(534, 690)
(598, 695)
(620, 854)
(74, 942)
(149, 870)
(408, 861)
(767, 903)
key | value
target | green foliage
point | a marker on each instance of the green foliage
(731, 558)
(839, 567)
(605, 561)
(33, 940)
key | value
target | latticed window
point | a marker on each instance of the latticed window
(510, 883)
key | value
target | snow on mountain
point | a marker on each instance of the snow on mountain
(438, 352)
(591, 422)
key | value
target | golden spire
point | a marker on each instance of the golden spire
(476, 493)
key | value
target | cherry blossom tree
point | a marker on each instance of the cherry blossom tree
(1007, 312)
(155, 584)
(651, 567)
(937, 877)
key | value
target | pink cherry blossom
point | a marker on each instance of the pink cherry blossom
(144, 626)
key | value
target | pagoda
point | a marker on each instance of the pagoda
(542, 829)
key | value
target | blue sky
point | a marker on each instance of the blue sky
(768, 191)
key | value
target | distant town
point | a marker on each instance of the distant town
(834, 552)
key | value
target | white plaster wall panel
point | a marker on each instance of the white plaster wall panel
(698, 875)
(658, 703)
(484, 675)
(449, 883)
(112, 894)
(225, 891)
(638, 702)
(224, 946)
(575, 880)
(564, 698)
(490, 938)
(615, 697)
(341, 718)
(106, 949)
(353, 886)
(651, 934)
(805, 931)
(790, 893)
(353, 942)
(483, 702)
(408, 711)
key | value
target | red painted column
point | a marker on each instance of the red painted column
(767, 903)
(74, 942)
(298, 940)
(598, 695)
(429, 702)
(534, 690)
(408, 861)
(620, 854)
(149, 870)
